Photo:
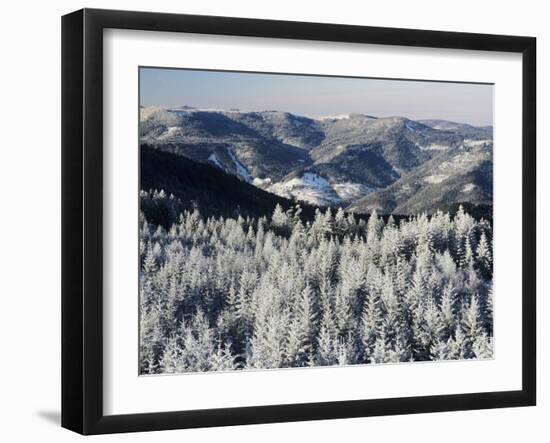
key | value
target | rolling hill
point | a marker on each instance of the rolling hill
(356, 161)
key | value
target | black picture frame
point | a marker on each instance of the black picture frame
(82, 215)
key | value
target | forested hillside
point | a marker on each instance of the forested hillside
(356, 161)
(194, 184)
(231, 292)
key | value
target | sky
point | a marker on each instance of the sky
(317, 96)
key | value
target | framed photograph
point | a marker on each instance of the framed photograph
(269, 221)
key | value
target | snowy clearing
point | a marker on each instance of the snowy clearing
(310, 188)
(241, 170)
(261, 181)
(350, 191)
(436, 178)
(474, 143)
(433, 147)
(216, 162)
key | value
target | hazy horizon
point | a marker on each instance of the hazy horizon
(317, 96)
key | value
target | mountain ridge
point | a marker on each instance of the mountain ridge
(357, 161)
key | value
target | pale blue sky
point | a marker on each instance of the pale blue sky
(317, 96)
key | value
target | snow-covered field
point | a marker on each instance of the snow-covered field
(316, 190)
(350, 191)
(436, 178)
(241, 170)
(310, 188)
(215, 161)
(474, 143)
(433, 147)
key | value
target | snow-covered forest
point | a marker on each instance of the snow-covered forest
(273, 292)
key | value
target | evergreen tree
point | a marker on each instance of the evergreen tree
(301, 331)
(483, 257)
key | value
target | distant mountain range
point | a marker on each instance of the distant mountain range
(358, 162)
